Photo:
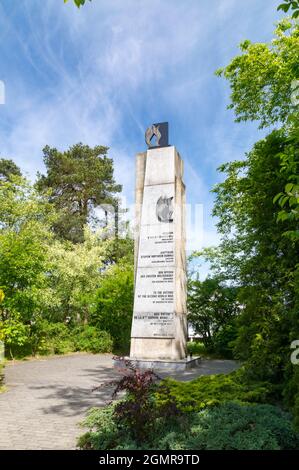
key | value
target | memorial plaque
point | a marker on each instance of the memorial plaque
(154, 290)
(153, 325)
(156, 246)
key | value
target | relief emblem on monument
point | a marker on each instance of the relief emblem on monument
(164, 209)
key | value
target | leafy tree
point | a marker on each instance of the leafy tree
(74, 275)
(288, 199)
(119, 248)
(255, 252)
(261, 77)
(211, 306)
(25, 233)
(80, 180)
(259, 258)
(13, 332)
(114, 303)
(8, 168)
(290, 5)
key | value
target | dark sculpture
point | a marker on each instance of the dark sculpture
(160, 131)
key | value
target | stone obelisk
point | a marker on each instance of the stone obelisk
(159, 326)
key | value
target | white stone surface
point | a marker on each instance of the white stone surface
(153, 325)
(159, 324)
(156, 246)
(160, 166)
(154, 290)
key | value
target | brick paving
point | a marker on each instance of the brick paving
(47, 398)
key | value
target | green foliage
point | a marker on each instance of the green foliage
(138, 412)
(215, 389)
(91, 339)
(257, 257)
(114, 303)
(290, 5)
(8, 168)
(25, 233)
(233, 426)
(74, 274)
(229, 426)
(261, 77)
(103, 429)
(135, 417)
(224, 340)
(197, 348)
(48, 283)
(57, 339)
(79, 180)
(257, 206)
(44, 337)
(211, 306)
(288, 200)
(13, 332)
(291, 391)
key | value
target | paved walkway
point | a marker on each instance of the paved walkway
(47, 398)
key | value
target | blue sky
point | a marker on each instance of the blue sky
(102, 74)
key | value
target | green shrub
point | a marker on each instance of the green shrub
(114, 305)
(44, 338)
(59, 338)
(291, 392)
(228, 426)
(196, 348)
(211, 412)
(104, 432)
(91, 339)
(224, 339)
(56, 339)
(242, 427)
(215, 389)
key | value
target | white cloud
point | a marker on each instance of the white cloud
(102, 73)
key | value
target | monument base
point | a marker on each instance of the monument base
(161, 364)
(156, 349)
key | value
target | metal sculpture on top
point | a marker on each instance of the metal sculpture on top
(160, 132)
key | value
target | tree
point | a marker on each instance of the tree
(261, 78)
(211, 306)
(79, 180)
(257, 206)
(290, 5)
(114, 303)
(8, 168)
(257, 256)
(288, 199)
(25, 234)
(74, 275)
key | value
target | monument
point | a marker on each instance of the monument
(159, 325)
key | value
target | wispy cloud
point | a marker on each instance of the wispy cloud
(101, 74)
